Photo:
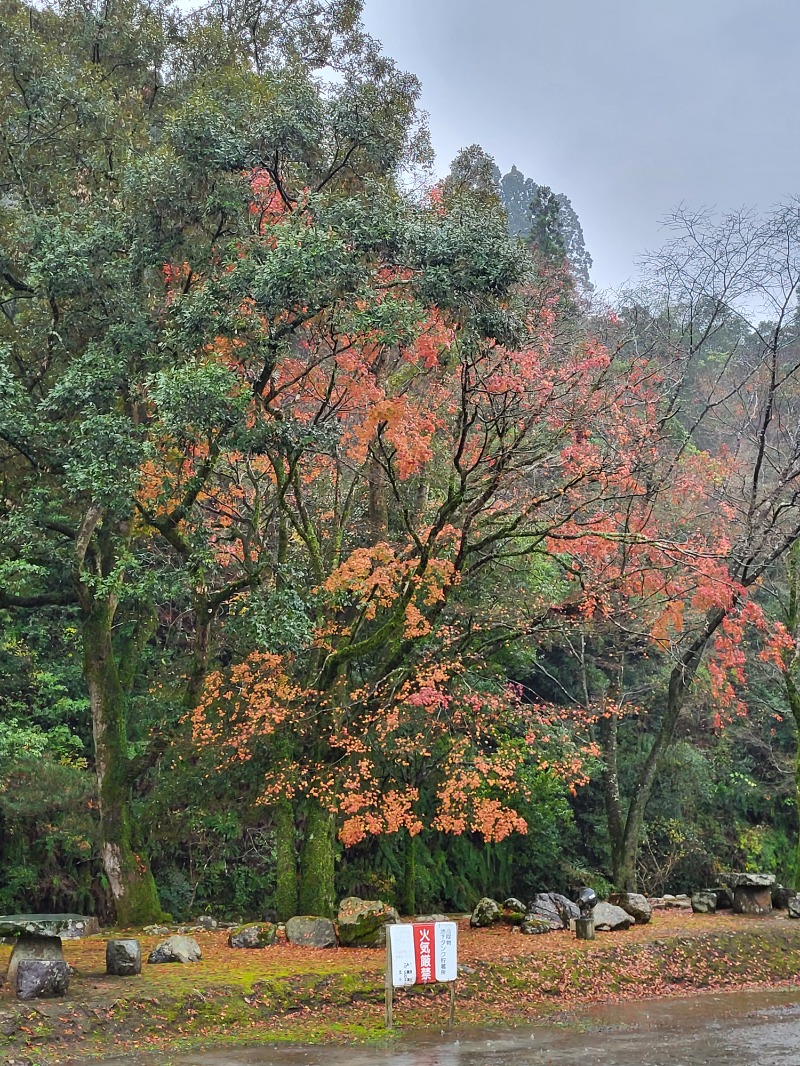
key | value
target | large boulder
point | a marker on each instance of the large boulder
(362, 922)
(176, 949)
(635, 904)
(254, 935)
(123, 958)
(608, 917)
(793, 906)
(35, 948)
(41, 978)
(487, 912)
(308, 931)
(704, 902)
(554, 908)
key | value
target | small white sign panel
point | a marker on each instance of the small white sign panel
(404, 967)
(446, 948)
(423, 953)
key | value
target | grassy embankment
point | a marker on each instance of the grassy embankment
(286, 994)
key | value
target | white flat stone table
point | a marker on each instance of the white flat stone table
(38, 937)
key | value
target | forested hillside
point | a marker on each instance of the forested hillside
(347, 545)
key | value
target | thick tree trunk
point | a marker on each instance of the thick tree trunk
(378, 511)
(285, 860)
(611, 793)
(129, 877)
(201, 649)
(408, 901)
(793, 699)
(626, 853)
(317, 890)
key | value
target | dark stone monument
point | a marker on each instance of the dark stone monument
(123, 958)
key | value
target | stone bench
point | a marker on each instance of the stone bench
(38, 938)
(752, 892)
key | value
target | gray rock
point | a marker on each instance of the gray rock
(123, 958)
(41, 978)
(487, 912)
(428, 918)
(80, 927)
(514, 904)
(704, 902)
(750, 899)
(793, 906)
(176, 949)
(532, 925)
(36, 948)
(781, 897)
(254, 935)
(554, 908)
(608, 917)
(749, 880)
(156, 930)
(308, 931)
(362, 922)
(205, 921)
(635, 904)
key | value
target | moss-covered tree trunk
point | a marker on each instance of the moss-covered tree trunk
(408, 895)
(285, 860)
(129, 876)
(317, 862)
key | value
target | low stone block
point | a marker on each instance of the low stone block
(41, 948)
(123, 958)
(308, 931)
(253, 935)
(176, 949)
(704, 902)
(41, 978)
(781, 896)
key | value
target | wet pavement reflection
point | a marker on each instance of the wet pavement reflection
(753, 1028)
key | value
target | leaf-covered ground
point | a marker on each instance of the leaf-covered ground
(287, 994)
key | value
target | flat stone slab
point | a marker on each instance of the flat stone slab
(748, 880)
(39, 924)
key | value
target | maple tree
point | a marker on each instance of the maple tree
(409, 451)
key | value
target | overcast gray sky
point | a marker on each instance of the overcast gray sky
(627, 106)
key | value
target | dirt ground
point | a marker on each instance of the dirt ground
(285, 994)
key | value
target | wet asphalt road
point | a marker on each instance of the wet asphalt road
(729, 1029)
